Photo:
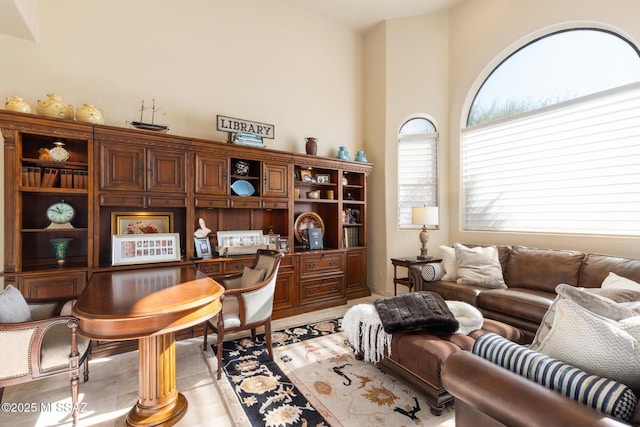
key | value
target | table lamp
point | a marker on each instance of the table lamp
(424, 215)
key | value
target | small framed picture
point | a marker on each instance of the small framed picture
(323, 179)
(315, 238)
(144, 248)
(203, 247)
(141, 222)
(283, 244)
(306, 176)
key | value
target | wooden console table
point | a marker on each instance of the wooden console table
(149, 305)
(406, 263)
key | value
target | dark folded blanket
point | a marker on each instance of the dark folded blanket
(416, 312)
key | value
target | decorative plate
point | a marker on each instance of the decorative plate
(305, 221)
(243, 188)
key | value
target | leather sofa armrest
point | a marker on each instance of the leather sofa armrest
(415, 278)
(511, 399)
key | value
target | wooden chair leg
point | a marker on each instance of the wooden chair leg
(75, 388)
(267, 336)
(206, 331)
(253, 334)
(220, 339)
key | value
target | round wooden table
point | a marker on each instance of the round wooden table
(149, 305)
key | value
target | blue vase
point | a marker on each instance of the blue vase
(343, 154)
(360, 157)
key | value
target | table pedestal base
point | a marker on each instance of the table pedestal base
(159, 402)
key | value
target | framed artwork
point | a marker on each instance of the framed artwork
(203, 247)
(304, 222)
(283, 245)
(141, 222)
(306, 176)
(144, 248)
(323, 179)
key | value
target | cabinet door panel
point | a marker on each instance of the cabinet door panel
(52, 286)
(167, 171)
(274, 180)
(122, 167)
(211, 174)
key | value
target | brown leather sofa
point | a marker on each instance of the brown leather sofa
(487, 395)
(531, 276)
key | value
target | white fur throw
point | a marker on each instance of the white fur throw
(468, 316)
(363, 329)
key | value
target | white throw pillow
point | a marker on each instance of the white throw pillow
(594, 343)
(614, 281)
(479, 266)
(449, 264)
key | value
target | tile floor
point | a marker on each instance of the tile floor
(113, 384)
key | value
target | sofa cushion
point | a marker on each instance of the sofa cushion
(613, 281)
(455, 291)
(527, 304)
(596, 268)
(605, 395)
(594, 343)
(479, 266)
(542, 269)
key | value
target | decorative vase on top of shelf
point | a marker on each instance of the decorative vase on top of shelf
(311, 146)
(15, 103)
(89, 113)
(343, 154)
(61, 248)
(54, 106)
(361, 157)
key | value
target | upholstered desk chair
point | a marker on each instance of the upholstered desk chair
(247, 302)
(38, 338)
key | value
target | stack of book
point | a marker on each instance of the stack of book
(36, 176)
(249, 139)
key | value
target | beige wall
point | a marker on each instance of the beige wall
(483, 32)
(264, 61)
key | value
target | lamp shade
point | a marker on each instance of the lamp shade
(424, 215)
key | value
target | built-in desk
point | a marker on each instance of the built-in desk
(149, 305)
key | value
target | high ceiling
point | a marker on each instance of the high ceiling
(361, 15)
(19, 18)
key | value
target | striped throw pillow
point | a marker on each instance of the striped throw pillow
(602, 394)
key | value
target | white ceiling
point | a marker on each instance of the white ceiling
(361, 15)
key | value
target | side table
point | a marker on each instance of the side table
(406, 263)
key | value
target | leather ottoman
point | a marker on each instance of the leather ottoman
(418, 358)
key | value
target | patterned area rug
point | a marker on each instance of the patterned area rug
(315, 381)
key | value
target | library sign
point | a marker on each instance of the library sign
(233, 125)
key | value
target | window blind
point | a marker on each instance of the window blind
(570, 168)
(416, 174)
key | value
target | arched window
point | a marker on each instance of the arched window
(553, 139)
(417, 167)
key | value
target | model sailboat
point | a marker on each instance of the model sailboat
(149, 126)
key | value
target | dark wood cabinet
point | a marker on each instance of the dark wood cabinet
(113, 171)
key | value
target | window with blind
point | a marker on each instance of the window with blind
(417, 168)
(570, 166)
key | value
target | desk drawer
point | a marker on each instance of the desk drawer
(321, 289)
(250, 204)
(237, 266)
(322, 263)
(210, 268)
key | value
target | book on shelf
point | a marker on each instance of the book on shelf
(50, 177)
(33, 176)
(25, 176)
(66, 178)
(350, 237)
(80, 179)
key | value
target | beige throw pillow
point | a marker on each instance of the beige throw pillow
(595, 344)
(613, 281)
(251, 277)
(479, 266)
(449, 264)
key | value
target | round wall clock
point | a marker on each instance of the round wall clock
(58, 153)
(61, 214)
(304, 222)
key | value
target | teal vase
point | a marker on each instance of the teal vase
(61, 248)
(360, 156)
(343, 154)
